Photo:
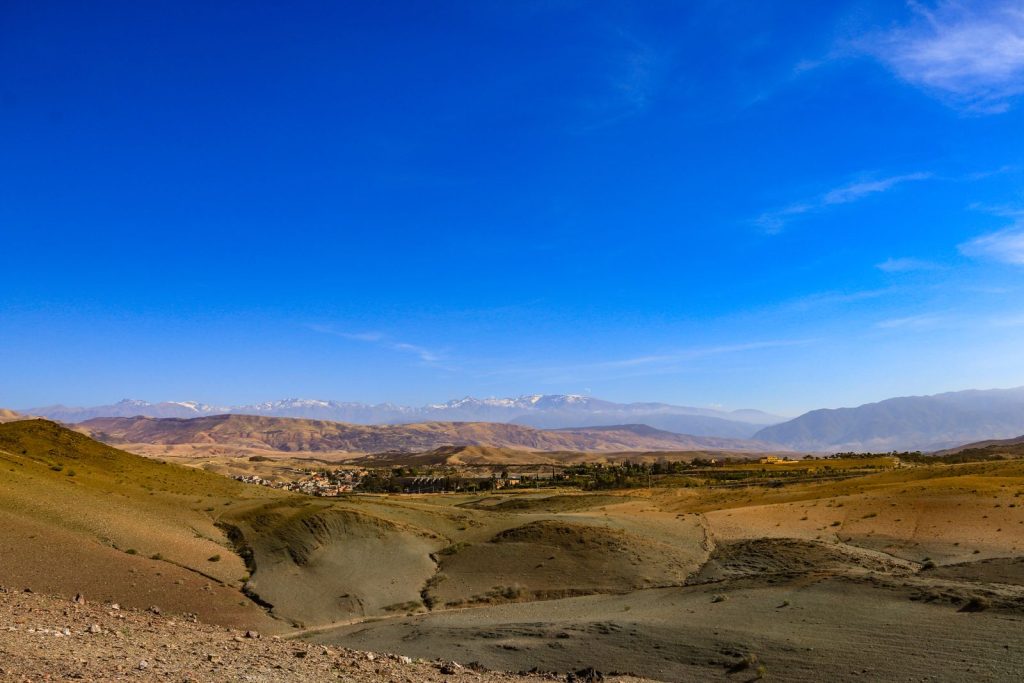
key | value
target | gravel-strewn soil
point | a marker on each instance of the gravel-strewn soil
(44, 638)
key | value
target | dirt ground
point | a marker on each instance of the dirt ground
(46, 639)
(909, 574)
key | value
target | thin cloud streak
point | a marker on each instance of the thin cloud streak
(635, 78)
(913, 322)
(773, 222)
(905, 265)
(969, 55)
(381, 340)
(645, 365)
(1003, 246)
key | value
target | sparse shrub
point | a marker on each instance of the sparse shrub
(976, 604)
(870, 515)
(131, 551)
(156, 556)
(410, 606)
(749, 661)
(511, 592)
(719, 598)
(927, 564)
(835, 523)
(453, 548)
(213, 558)
(57, 468)
(71, 473)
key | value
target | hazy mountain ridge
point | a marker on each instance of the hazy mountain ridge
(924, 423)
(546, 411)
(295, 435)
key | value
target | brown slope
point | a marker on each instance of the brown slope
(1011, 447)
(80, 516)
(291, 435)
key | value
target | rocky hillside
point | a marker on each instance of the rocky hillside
(80, 516)
(545, 411)
(910, 423)
(295, 435)
(45, 638)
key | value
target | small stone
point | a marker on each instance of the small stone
(252, 634)
(405, 660)
(370, 656)
(155, 610)
(143, 665)
(95, 628)
(79, 599)
(450, 668)
(115, 607)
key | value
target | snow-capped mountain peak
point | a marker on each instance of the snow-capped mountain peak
(537, 410)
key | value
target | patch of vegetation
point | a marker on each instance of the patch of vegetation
(749, 662)
(410, 606)
(453, 548)
(976, 603)
(500, 594)
(433, 582)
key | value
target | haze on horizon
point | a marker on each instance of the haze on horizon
(783, 207)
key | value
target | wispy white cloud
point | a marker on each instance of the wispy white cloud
(905, 265)
(1004, 246)
(1008, 320)
(697, 352)
(635, 74)
(970, 54)
(831, 298)
(672, 361)
(912, 322)
(382, 340)
(773, 222)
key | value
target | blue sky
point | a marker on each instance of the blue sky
(782, 205)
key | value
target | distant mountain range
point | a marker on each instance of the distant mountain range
(545, 411)
(293, 435)
(925, 423)
(11, 416)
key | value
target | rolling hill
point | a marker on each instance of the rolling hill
(1011, 448)
(909, 423)
(79, 516)
(292, 435)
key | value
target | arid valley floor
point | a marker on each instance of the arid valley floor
(911, 573)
